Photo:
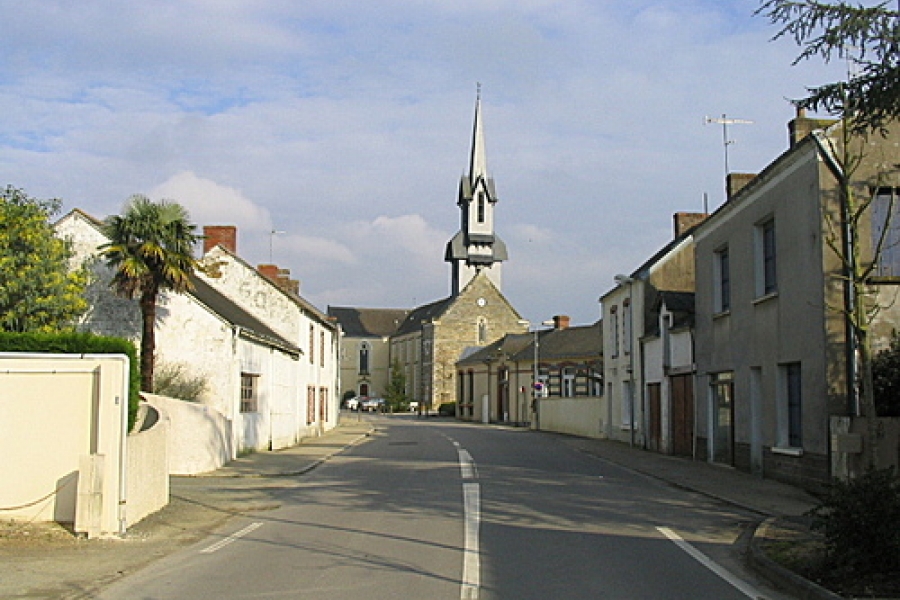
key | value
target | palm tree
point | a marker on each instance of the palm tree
(151, 249)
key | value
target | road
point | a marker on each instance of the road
(439, 509)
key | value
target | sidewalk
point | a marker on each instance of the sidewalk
(43, 561)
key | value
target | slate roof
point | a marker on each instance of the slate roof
(572, 342)
(584, 341)
(424, 313)
(509, 345)
(368, 322)
(680, 304)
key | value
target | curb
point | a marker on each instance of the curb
(785, 578)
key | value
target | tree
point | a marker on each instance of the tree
(396, 388)
(865, 105)
(869, 37)
(151, 250)
(38, 290)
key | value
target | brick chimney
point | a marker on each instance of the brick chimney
(735, 182)
(561, 322)
(684, 221)
(280, 277)
(220, 235)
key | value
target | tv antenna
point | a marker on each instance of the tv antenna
(272, 235)
(725, 121)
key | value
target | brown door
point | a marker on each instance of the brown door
(654, 424)
(682, 415)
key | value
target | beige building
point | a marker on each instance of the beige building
(773, 355)
(366, 348)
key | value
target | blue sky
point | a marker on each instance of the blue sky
(347, 125)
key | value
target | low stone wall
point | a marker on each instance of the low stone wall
(147, 479)
(574, 416)
(200, 437)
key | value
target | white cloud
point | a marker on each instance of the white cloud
(212, 204)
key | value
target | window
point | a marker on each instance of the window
(312, 345)
(793, 394)
(310, 405)
(249, 393)
(627, 404)
(481, 207)
(886, 232)
(482, 332)
(626, 325)
(364, 358)
(568, 382)
(614, 330)
(722, 280)
(322, 349)
(764, 239)
(323, 404)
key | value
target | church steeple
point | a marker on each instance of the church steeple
(475, 247)
(478, 159)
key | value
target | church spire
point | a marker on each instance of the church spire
(478, 160)
(476, 247)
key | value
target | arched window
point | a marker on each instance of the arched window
(481, 207)
(364, 358)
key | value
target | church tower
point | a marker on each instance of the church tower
(475, 247)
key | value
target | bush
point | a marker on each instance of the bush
(447, 409)
(886, 380)
(860, 520)
(80, 343)
(176, 381)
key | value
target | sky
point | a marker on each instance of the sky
(344, 126)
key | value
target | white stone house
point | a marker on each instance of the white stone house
(254, 373)
(270, 295)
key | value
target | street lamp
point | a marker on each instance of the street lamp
(622, 281)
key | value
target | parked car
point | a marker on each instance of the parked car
(372, 404)
(352, 403)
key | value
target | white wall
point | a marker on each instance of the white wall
(200, 438)
(572, 416)
(56, 409)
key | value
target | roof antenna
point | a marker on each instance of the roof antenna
(725, 122)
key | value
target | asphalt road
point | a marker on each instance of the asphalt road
(428, 509)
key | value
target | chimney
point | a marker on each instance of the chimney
(561, 322)
(220, 235)
(280, 277)
(685, 221)
(735, 182)
(801, 126)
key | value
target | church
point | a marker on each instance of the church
(426, 341)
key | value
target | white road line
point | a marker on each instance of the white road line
(744, 587)
(231, 538)
(466, 465)
(471, 575)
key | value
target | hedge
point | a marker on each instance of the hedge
(80, 343)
